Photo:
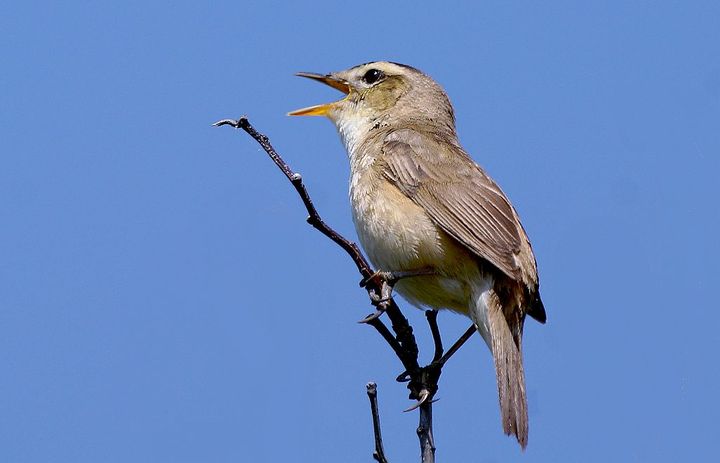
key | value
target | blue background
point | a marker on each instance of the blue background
(162, 299)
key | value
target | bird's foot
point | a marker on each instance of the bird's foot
(380, 292)
(423, 384)
(380, 287)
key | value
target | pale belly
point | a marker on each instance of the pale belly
(398, 235)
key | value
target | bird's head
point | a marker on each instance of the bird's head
(382, 92)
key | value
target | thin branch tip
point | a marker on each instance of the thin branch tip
(232, 122)
(379, 452)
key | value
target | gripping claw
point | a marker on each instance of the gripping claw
(424, 394)
(373, 316)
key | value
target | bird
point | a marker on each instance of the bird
(423, 207)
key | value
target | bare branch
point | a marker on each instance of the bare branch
(388, 336)
(379, 453)
(458, 344)
(296, 180)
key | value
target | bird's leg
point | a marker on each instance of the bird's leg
(393, 276)
(380, 285)
(380, 292)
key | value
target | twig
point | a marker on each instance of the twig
(296, 179)
(388, 336)
(458, 344)
(425, 434)
(379, 453)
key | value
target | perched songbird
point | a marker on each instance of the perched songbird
(420, 204)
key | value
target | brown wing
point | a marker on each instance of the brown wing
(457, 194)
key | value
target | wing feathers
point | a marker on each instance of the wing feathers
(464, 202)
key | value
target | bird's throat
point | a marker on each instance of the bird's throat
(353, 130)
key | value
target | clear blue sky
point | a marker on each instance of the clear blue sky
(163, 300)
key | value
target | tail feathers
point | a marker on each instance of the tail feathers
(537, 309)
(510, 374)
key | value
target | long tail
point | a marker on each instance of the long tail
(508, 365)
(510, 374)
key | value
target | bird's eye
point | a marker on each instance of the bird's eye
(372, 76)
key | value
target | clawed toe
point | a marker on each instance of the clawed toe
(424, 394)
(378, 277)
(373, 316)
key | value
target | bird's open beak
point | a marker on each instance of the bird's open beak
(321, 109)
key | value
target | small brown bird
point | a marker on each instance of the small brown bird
(420, 204)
